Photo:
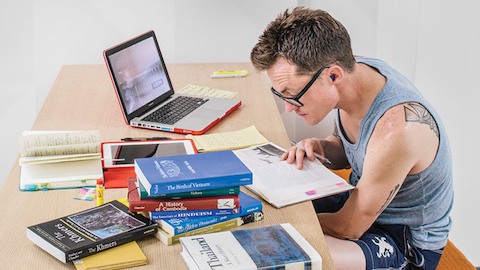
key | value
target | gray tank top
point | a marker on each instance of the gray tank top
(424, 201)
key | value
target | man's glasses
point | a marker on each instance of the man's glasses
(295, 101)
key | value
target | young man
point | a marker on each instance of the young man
(398, 214)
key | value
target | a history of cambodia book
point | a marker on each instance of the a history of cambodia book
(174, 226)
(270, 247)
(183, 173)
(180, 204)
(91, 231)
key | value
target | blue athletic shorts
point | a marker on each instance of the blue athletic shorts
(384, 246)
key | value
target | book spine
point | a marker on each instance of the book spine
(181, 225)
(187, 204)
(193, 194)
(154, 215)
(108, 243)
(168, 239)
(201, 184)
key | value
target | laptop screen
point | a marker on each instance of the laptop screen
(139, 73)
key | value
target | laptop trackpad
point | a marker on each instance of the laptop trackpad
(208, 113)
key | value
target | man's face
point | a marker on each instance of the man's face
(318, 100)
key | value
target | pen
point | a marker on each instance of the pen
(318, 156)
(145, 139)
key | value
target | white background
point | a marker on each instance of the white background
(434, 43)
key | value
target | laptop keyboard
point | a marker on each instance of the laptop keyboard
(175, 110)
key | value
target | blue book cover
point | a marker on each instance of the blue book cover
(204, 171)
(191, 213)
(174, 226)
(269, 247)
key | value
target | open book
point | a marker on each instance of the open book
(59, 159)
(282, 184)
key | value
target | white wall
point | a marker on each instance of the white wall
(434, 43)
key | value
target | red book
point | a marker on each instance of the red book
(181, 204)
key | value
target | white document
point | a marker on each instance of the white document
(282, 184)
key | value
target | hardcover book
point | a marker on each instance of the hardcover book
(190, 194)
(183, 173)
(91, 231)
(180, 204)
(174, 226)
(156, 215)
(271, 247)
(169, 239)
(123, 256)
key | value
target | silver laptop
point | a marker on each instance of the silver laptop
(146, 95)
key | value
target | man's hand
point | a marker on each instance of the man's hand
(308, 147)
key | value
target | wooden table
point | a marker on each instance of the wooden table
(82, 98)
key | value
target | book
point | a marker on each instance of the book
(127, 255)
(269, 247)
(190, 194)
(174, 226)
(156, 215)
(91, 231)
(230, 140)
(183, 173)
(177, 204)
(59, 159)
(282, 184)
(169, 239)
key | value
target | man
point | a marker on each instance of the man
(398, 214)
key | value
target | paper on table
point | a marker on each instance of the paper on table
(206, 91)
(228, 140)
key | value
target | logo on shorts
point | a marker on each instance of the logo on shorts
(384, 248)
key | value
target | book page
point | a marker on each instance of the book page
(58, 158)
(196, 90)
(228, 140)
(45, 143)
(279, 181)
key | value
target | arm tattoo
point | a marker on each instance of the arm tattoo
(414, 112)
(389, 198)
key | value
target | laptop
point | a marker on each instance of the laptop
(146, 96)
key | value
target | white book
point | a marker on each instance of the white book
(282, 184)
(59, 159)
(270, 247)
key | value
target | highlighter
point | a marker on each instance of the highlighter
(99, 191)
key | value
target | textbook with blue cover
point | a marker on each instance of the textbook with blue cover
(157, 215)
(270, 247)
(174, 226)
(183, 173)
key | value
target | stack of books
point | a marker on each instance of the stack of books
(193, 194)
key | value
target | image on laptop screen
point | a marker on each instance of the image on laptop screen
(139, 73)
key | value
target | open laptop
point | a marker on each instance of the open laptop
(146, 95)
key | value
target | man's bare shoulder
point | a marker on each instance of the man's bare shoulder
(407, 118)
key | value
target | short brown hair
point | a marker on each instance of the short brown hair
(305, 37)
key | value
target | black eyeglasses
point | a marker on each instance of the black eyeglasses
(295, 101)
